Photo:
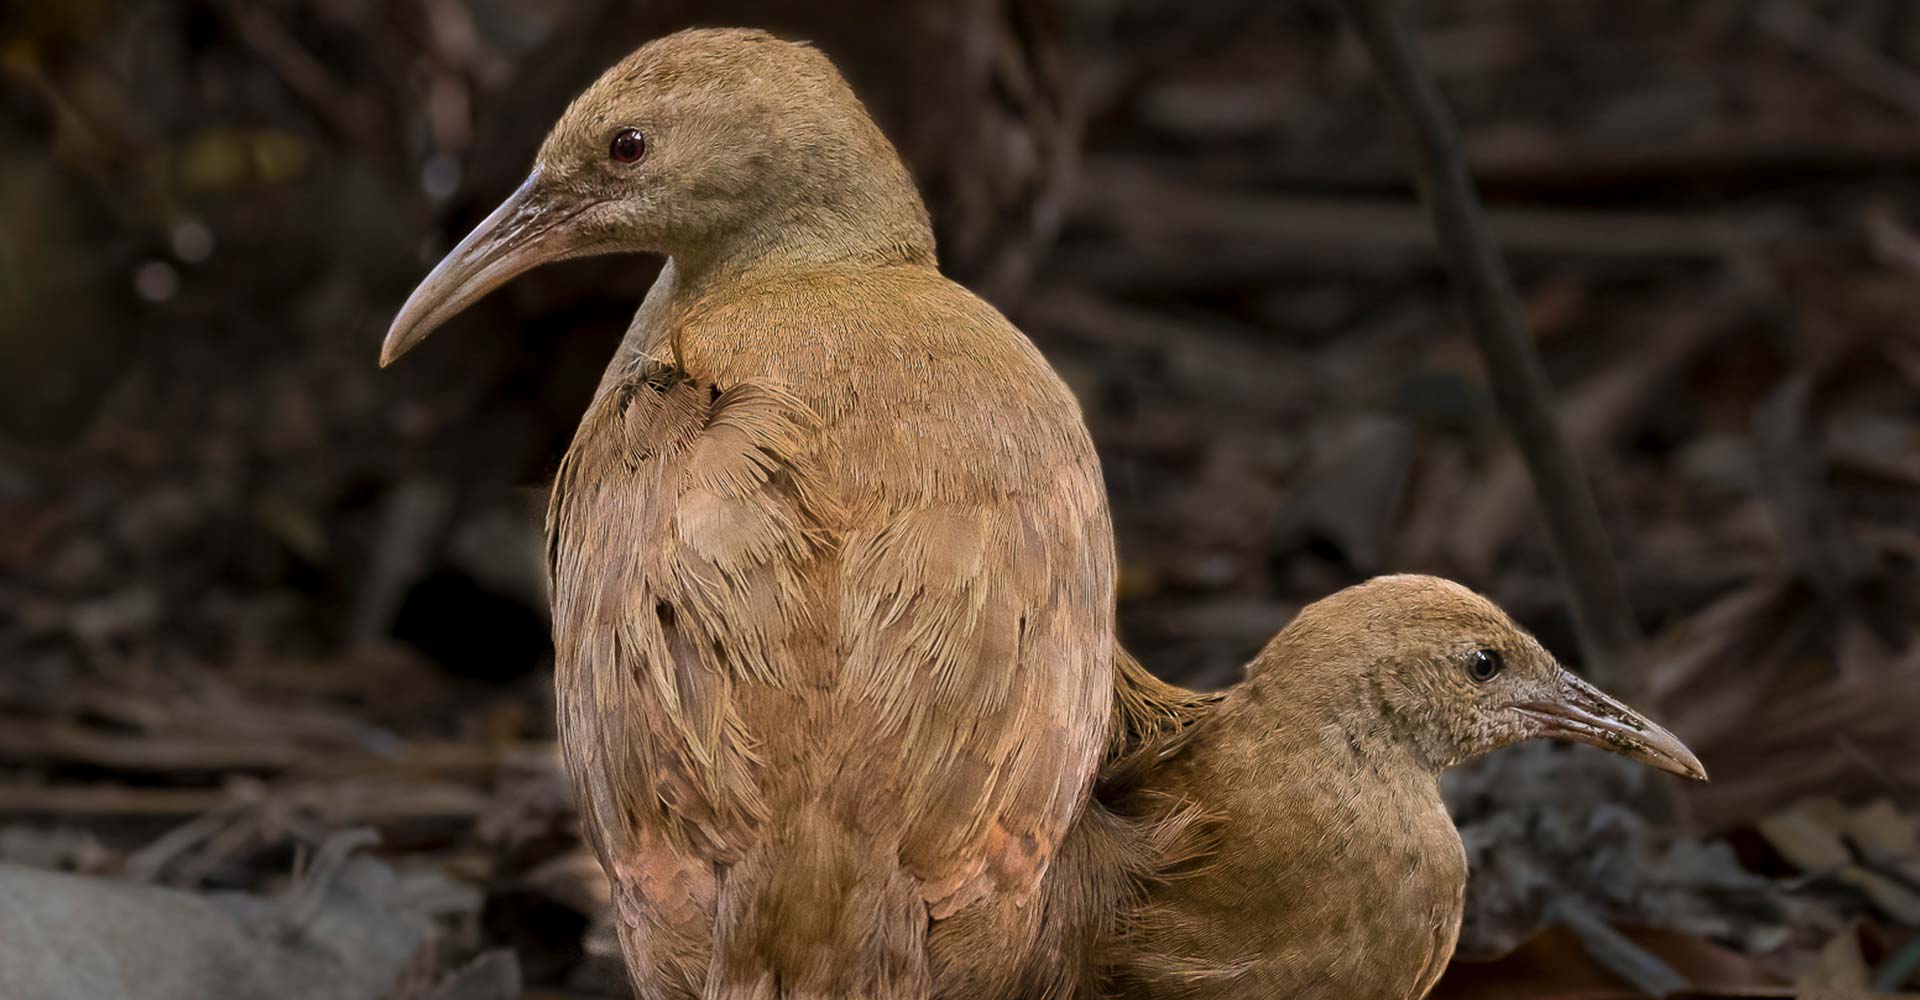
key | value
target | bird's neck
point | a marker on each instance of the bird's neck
(1352, 719)
(847, 224)
(694, 282)
(646, 338)
(1277, 769)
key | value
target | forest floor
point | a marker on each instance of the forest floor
(272, 621)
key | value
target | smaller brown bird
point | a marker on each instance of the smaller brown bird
(1288, 839)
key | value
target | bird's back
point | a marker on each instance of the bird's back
(1310, 874)
(833, 613)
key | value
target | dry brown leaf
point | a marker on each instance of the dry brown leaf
(1807, 836)
(1840, 965)
(1893, 899)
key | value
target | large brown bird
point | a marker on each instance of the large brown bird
(1287, 839)
(831, 558)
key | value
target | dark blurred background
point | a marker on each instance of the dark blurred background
(258, 597)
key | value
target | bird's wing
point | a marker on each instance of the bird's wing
(928, 664)
(979, 626)
(684, 533)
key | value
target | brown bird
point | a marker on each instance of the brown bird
(1287, 838)
(832, 564)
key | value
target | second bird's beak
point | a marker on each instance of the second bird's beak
(532, 227)
(1582, 713)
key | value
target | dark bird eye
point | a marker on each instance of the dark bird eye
(1484, 665)
(628, 146)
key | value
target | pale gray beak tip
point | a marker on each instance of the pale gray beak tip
(1584, 714)
(505, 244)
(391, 349)
(1690, 767)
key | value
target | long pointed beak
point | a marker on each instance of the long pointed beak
(1583, 714)
(528, 229)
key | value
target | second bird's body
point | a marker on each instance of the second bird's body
(1332, 870)
(1287, 838)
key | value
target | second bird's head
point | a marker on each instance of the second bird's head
(1426, 665)
(718, 147)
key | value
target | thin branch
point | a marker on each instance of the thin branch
(1608, 632)
(1846, 56)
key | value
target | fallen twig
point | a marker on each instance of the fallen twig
(23, 737)
(1848, 57)
(1202, 211)
(347, 802)
(1604, 619)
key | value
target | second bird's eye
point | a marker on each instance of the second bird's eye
(1483, 665)
(628, 146)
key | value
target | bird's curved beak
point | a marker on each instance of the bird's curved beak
(1581, 713)
(530, 228)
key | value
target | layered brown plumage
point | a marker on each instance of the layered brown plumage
(832, 577)
(1287, 839)
(1059, 947)
(831, 557)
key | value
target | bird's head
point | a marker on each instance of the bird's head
(722, 148)
(1424, 664)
